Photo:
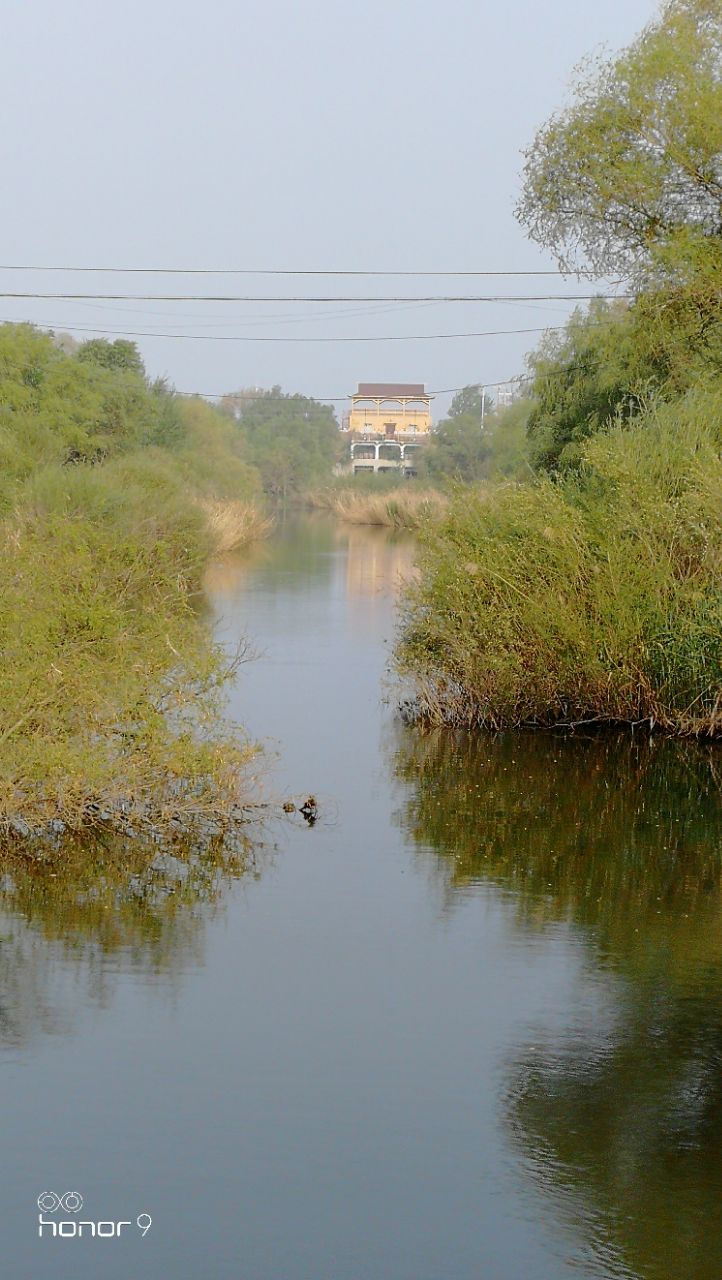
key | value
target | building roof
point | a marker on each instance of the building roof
(391, 390)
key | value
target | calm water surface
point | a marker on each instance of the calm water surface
(467, 1027)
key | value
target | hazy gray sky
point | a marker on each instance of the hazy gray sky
(274, 133)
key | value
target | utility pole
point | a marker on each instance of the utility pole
(483, 406)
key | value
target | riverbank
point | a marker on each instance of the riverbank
(114, 494)
(590, 598)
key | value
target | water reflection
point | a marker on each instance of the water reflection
(378, 561)
(300, 557)
(97, 909)
(328, 1070)
(619, 1117)
(314, 551)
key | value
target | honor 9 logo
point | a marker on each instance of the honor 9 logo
(71, 1202)
(69, 1229)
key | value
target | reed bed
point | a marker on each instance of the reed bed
(234, 525)
(592, 599)
(402, 508)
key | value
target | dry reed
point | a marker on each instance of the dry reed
(402, 508)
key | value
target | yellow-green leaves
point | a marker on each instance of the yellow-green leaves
(637, 157)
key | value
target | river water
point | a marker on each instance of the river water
(468, 1026)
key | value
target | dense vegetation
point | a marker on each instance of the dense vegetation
(466, 450)
(109, 686)
(594, 592)
(292, 440)
(390, 504)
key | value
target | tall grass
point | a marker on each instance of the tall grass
(402, 508)
(233, 525)
(109, 688)
(113, 495)
(593, 598)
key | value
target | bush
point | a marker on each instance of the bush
(109, 687)
(113, 495)
(593, 597)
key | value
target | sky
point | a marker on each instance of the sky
(377, 136)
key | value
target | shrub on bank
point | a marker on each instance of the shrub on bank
(109, 688)
(594, 597)
(113, 493)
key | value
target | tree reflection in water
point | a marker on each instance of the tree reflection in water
(619, 1118)
(94, 908)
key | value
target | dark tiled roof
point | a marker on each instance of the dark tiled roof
(376, 390)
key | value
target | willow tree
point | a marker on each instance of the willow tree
(628, 178)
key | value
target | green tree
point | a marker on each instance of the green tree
(508, 438)
(629, 178)
(468, 401)
(58, 408)
(611, 362)
(235, 403)
(120, 354)
(582, 377)
(292, 439)
(459, 450)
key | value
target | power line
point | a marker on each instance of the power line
(200, 297)
(229, 337)
(278, 271)
(266, 395)
(248, 318)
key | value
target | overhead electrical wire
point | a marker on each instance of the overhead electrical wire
(282, 271)
(247, 319)
(443, 391)
(229, 337)
(210, 297)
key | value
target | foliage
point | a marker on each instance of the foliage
(467, 402)
(594, 597)
(610, 363)
(583, 377)
(214, 456)
(458, 451)
(120, 354)
(401, 507)
(629, 178)
(110, 687)
(461, 451)
(293, 440)
(507, 434)
(57, 409)
(108, 678)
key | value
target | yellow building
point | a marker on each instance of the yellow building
(388, 409)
